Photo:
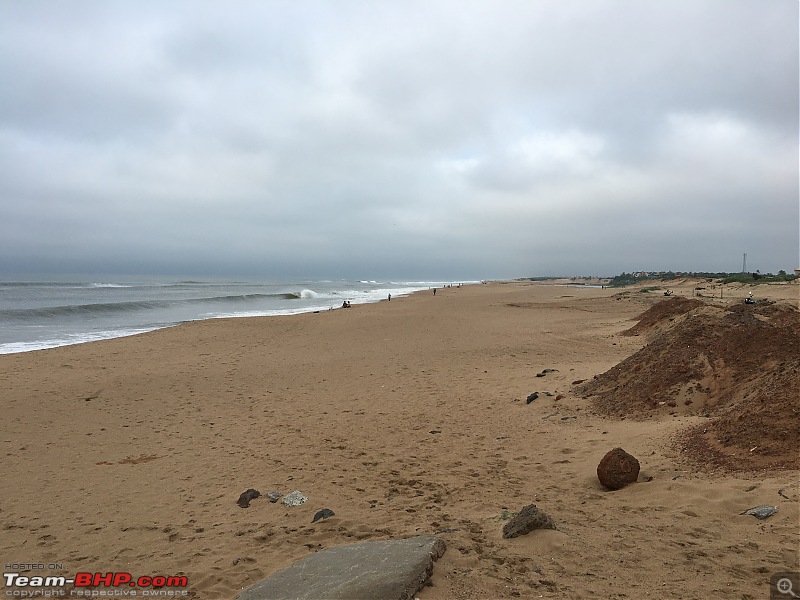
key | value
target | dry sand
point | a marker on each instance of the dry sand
(403, 417)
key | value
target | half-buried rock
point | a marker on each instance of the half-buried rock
(385, 570)
(617, 469)
(528, 519)
(246, 496)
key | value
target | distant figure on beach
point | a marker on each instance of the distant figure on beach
(346, 304)
(390, 297)
(434, 291)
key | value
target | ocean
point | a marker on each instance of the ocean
(45, 314)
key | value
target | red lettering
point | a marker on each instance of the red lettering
(122, 578)
(113, 579)
(104, 578)
(178, 581)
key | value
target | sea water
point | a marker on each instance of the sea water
(44, 314)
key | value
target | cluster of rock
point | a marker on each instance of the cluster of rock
(295, 498)
(398, 569)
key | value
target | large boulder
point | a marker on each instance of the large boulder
(389, 570)
(617, 469)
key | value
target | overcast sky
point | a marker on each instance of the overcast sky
(386, 139)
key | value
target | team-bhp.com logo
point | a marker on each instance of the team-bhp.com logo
(120, 584)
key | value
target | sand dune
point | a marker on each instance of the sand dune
(403, 417)
(738, 366)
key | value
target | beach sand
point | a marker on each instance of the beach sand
(404, 417)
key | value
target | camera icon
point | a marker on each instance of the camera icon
(784, 586)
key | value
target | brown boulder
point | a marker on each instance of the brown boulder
(617, 469)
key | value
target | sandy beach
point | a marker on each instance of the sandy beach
(403, 417)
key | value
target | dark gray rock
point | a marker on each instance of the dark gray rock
(528, 519)
(544, 372)
(761, 512)
(532, 397)
(274, 496)
(385, 570)
(246, 496)
(323, 514)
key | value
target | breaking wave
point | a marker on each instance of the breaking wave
(107, 308)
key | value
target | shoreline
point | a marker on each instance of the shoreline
(137, 314)
(682, 284)
(404, 417)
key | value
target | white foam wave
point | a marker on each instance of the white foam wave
(307, 294)
(278, 312)
(70, 340)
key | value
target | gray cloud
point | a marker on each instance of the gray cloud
(357, 139)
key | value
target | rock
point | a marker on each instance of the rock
(296, 498)
(544, 372)
(389, 570)
(323, 514)
(528, 519)
(761, 512)
(246, 496)
(617, 469)
(532, 397)
(447, 530)
(274, 496)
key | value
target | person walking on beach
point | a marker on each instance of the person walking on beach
(390, 297)
(434, 291)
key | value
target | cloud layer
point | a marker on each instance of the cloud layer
(417, 139)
